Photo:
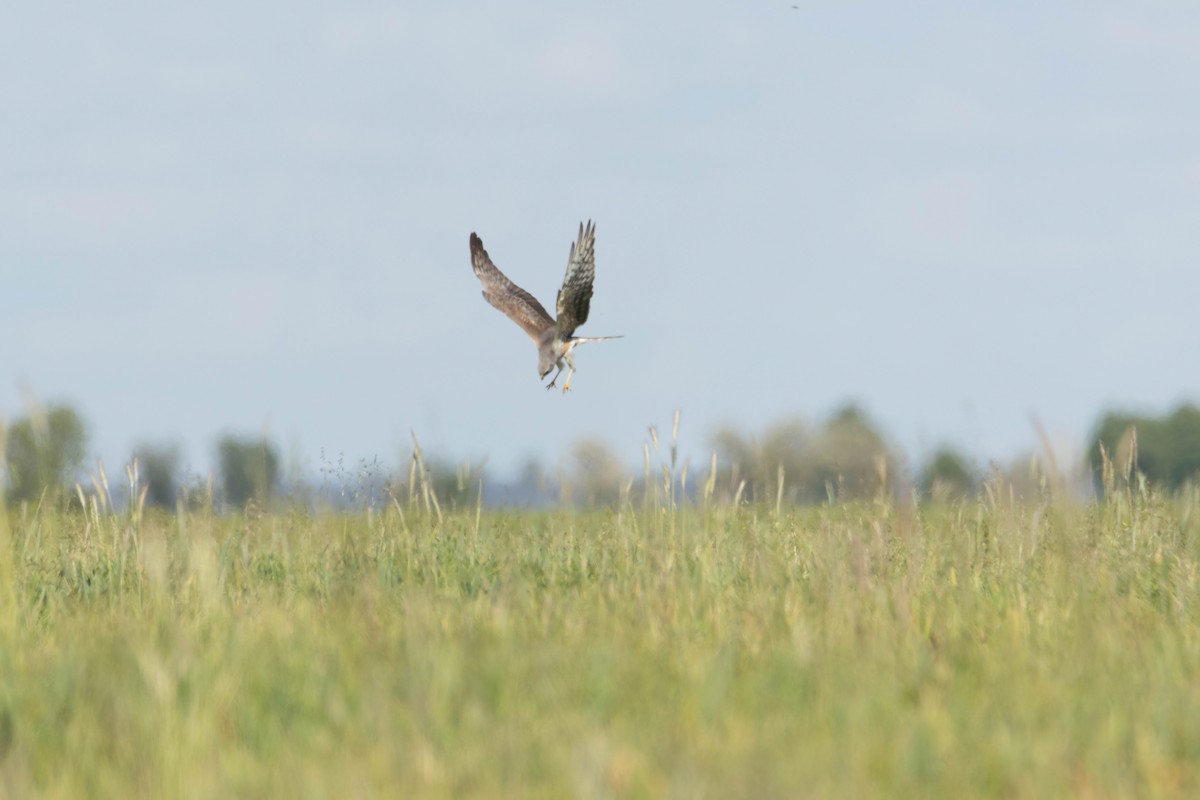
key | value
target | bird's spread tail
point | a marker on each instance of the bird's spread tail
(582, 339)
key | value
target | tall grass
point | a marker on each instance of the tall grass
(993, 647)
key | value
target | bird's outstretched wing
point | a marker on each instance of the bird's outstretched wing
(516, 303)
(575, 296)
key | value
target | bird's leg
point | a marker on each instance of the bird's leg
(555, 378)
(567, 382)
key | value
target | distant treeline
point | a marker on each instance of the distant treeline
(844, 457)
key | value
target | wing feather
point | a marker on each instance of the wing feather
(516, 303)
(575, 296)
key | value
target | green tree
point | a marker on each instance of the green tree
(947, 475)
(597, 474)
(1183, 445)
(456, 485)
(158, 470)
(738, 461)
(1165, 450)
(846, 456)
(44, 452)
(249, 469)
(785, 445)
(850, 457)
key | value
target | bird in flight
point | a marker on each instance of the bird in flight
(555, 339)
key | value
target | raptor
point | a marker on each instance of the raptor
(555, 339)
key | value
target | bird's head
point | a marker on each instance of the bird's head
(546, 361)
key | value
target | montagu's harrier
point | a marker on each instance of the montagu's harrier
(555, 340)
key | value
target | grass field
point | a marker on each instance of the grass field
(988, 648)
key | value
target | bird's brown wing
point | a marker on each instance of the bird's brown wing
(575, 296)
(516, 303)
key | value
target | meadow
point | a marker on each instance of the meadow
(985, 647)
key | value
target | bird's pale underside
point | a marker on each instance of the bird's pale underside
(555, 339)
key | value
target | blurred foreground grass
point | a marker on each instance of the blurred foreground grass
(990, 648)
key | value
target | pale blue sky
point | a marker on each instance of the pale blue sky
(956, 214)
